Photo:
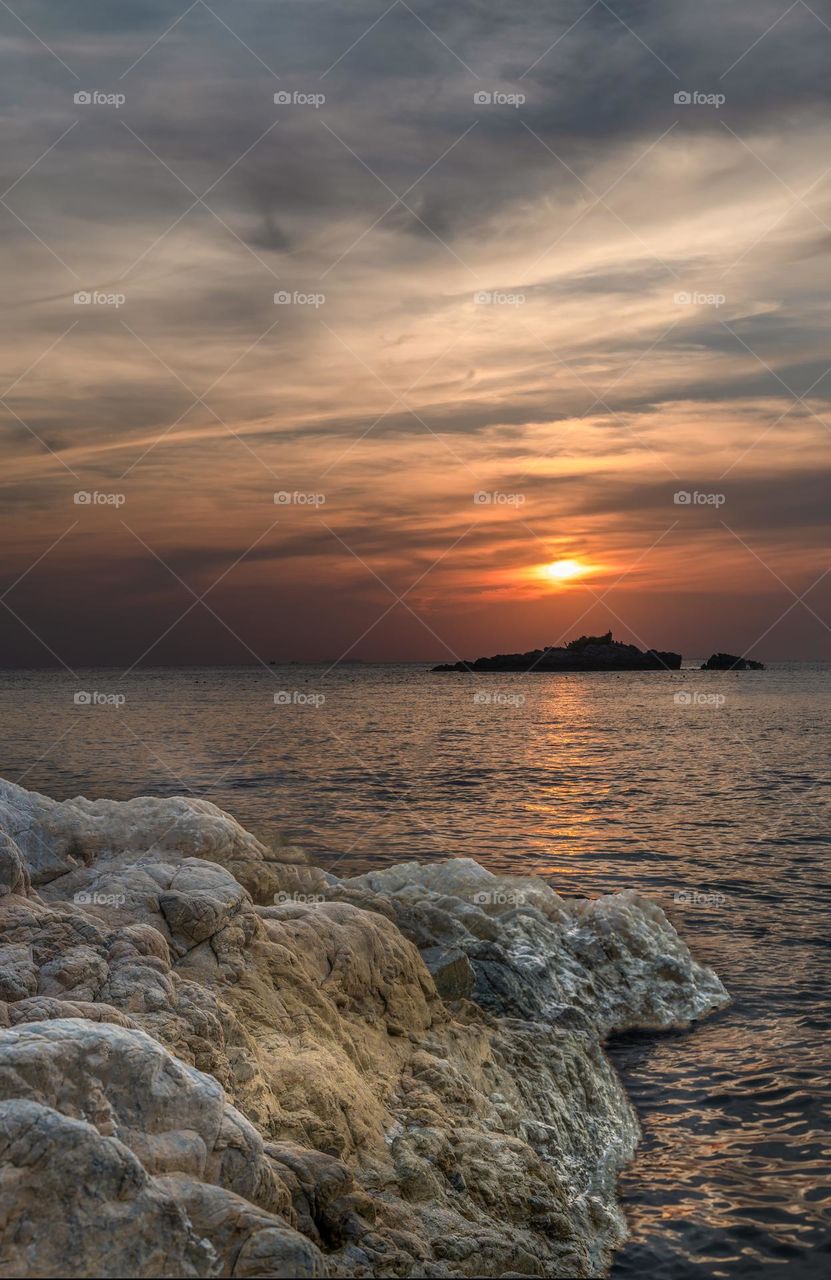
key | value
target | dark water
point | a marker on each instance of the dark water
(716, 804)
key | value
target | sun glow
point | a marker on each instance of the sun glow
(564, 570)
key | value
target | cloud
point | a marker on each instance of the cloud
(584, 213)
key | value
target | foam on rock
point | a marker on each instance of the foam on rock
(216, 1060)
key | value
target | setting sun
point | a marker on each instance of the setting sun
(564, 570)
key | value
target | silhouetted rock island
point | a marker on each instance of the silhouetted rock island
(729, 662)
(588, 653)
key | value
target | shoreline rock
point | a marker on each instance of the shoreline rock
(197, 1079)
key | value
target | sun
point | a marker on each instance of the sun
(564, 570)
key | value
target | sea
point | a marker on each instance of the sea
(708, 791)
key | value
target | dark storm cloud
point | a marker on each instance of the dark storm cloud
(399, 98)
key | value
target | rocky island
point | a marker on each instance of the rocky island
(218, 1060)
(588, 653)
(729, 662)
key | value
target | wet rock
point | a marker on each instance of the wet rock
(608, 964)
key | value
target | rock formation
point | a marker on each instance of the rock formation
(588, 653)
(216, 1060)
(729, 662)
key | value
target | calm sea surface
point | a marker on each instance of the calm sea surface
(709, 792)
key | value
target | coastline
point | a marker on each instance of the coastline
(397, 1073)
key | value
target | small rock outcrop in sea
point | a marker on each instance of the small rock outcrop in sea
(217, 1060)
(588, 653)
(729, 662)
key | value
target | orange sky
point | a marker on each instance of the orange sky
(575, 308)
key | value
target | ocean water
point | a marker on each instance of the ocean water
(707, 791)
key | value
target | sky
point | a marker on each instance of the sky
(486, 288)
